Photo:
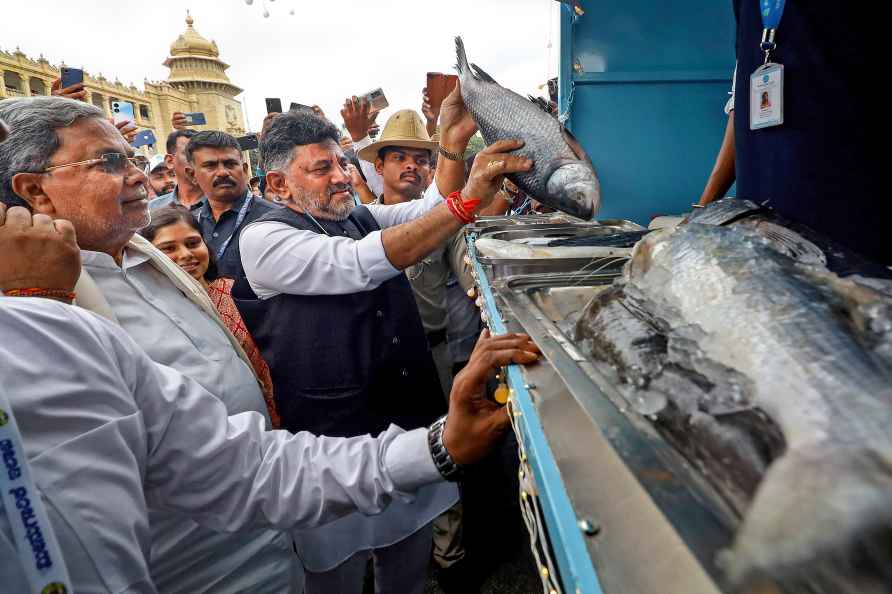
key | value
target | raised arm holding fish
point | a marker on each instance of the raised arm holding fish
(562, 175)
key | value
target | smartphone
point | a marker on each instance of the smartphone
(143, 137)
(439, 85)
(249, 142)
(273, 105)
(71, 76)
(376, 99)
(300, 107)
(195, 118)
(122, 111)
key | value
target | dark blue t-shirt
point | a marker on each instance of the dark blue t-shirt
(223, 232)
(820, 167)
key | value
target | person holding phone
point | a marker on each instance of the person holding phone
(76, 91)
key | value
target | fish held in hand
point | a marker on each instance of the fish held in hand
(562, 175)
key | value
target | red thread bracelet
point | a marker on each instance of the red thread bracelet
(49, 293)
(462, 208)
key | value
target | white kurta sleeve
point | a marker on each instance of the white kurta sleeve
(278, 258)
(397, 214)
(228, 472)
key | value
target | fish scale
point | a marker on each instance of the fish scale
(562, 175)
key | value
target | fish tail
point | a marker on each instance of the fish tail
(461, 57)
(811, 505)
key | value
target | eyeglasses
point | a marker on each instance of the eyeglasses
(112, 163)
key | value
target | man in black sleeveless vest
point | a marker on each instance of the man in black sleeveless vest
(324, 297)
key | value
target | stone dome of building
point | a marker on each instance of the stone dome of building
(195, 64)
(191, 43)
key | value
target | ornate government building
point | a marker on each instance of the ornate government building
(197, 82)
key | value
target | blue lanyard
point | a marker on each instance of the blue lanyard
(242, 213)
(39, 552)
(771, 11)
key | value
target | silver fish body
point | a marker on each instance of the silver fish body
(562, 176)
(758, 330)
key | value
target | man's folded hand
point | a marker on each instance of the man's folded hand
(38, 252)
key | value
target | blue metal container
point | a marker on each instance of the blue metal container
(643, 85)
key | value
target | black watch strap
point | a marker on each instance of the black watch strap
(442, 460)
(448, 155)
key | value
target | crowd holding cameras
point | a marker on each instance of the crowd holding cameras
(233, 382)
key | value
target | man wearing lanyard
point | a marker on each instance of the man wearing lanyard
(802, 114)
(215, 162)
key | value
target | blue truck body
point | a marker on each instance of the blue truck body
(643, 85)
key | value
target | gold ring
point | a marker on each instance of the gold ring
(493, 164)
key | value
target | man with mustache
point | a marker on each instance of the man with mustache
(403, 160)
(215, 163)
(64, 160)
(326, 300)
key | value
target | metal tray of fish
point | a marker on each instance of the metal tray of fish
(660, 523)
(686, 483)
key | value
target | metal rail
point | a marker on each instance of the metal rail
(577, 574)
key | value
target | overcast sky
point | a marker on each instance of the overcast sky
(326, 51)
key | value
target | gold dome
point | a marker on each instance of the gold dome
(191, 43)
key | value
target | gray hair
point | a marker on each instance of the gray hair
(32, 140)
(289, 131)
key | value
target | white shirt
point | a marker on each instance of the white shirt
(278, 258)
(374, 181)
(172, 330)
(108, 432)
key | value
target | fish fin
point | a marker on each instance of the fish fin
(575, 146)
(479, 74)
(813, 504)
(461, 57)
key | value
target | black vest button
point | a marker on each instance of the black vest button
(379, 313)
(396, 340)
(405, 372)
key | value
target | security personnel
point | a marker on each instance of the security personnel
(803, 118)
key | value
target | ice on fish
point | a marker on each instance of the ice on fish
(717, 321)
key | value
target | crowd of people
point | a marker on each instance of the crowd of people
(235, 383)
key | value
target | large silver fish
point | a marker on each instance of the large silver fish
(562, 176)
(714, 320)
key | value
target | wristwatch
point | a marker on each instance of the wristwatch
(448, 155)
(442, 460)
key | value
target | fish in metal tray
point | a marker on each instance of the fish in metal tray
(562, 176)
(714, 320)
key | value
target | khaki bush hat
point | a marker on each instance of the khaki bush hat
(406, 129)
